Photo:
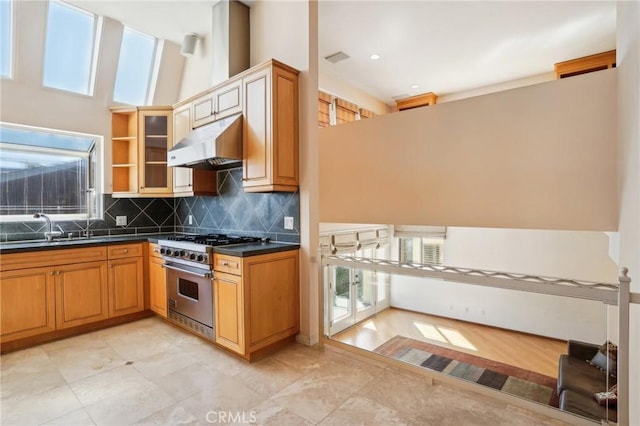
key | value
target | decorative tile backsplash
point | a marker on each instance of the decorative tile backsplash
(237, 212)
(231, 212)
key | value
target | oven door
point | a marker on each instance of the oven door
(190, 292)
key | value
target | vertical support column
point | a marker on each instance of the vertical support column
(623, 347)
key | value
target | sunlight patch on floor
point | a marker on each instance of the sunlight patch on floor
(456, 338)
(430, 332)
(370, 325)
(444, 335)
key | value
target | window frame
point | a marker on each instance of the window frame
(422, 242)
(95, 49)
(12, 38)
(152, 78)
(94, 208)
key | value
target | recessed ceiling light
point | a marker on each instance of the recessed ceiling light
(374, 57)
(414, 86)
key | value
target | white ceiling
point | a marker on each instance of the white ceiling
(444, 47)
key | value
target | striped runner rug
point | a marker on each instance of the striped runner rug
(507, 378)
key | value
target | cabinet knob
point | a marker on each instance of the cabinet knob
(225, 263)
(125, 251)
(52, 273)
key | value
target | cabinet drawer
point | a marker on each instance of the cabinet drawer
(228, 264)
(124, 250)
(52, 257)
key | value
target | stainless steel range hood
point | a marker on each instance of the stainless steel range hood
(215, 145)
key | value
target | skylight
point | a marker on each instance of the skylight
(69, 50)
(135, 68)
(6, 36)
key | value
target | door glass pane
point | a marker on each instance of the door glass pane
(342, 296)
(155, 151)
(365, 290)
(155, 176)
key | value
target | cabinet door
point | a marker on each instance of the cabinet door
(126, 287)
(228, 310)
(182, 176)
(228, 100)
(257, 149)
(27, 303)
(272, 288)
(203, 110)
(156, 136)
(81, 294)
(157, 286)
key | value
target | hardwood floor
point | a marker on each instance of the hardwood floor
(535, 353)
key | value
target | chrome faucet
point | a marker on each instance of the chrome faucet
(50, 234)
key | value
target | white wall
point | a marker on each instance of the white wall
(197, 74)
(564, 254)
(25, 101)
(536, 157)
(628, 62)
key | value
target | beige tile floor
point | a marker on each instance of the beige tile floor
(152, 373)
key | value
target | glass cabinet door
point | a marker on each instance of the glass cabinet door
(156, 140)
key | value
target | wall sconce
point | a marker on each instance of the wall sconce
(189, 44)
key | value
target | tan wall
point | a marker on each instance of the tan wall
(287, 31)
(541, 157)
(628, 60)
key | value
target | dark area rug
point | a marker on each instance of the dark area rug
(507, 378)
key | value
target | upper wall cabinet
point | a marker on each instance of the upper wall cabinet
(270, 128)
(219, 103)
(600, 61)
(140, 139)
(188, 182)
(425, 99)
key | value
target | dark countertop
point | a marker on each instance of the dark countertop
(253, 249)
(242, 250)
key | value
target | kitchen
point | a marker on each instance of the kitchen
(49, 116)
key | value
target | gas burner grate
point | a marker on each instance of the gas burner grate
(215, 239)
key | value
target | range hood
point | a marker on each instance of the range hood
(216, 145)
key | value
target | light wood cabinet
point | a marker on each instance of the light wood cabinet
(425, 99)
(81, 294)
(270, 128)
(219, 103)
(141, 137)
(229, 311)
(27, 303)
(256, 307)
(157, 282)
(126, 283)
(189, 182)
(586, 64)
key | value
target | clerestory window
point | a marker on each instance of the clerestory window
(137, 68)
(71, 48)
(48, 171)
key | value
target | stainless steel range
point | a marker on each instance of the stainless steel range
(189, 265)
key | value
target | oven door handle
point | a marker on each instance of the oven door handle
(188, 271)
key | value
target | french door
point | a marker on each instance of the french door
(354, 294)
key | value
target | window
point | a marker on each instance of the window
(137, 68)
(48, 171)
(422, 250)
(6, 37)
(70, 48)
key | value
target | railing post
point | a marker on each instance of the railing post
(623, 347)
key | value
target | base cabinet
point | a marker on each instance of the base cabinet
(81, 294)
(157, 282)
(68, 288)
(229, 311)
(126, 279)
(27, 303)
(256, 301)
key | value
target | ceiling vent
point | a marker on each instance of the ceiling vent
(337, 57)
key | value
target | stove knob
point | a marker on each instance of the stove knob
(200, 258)
(163, 251)
(168, 252)
(192, 256)
(182, 253)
